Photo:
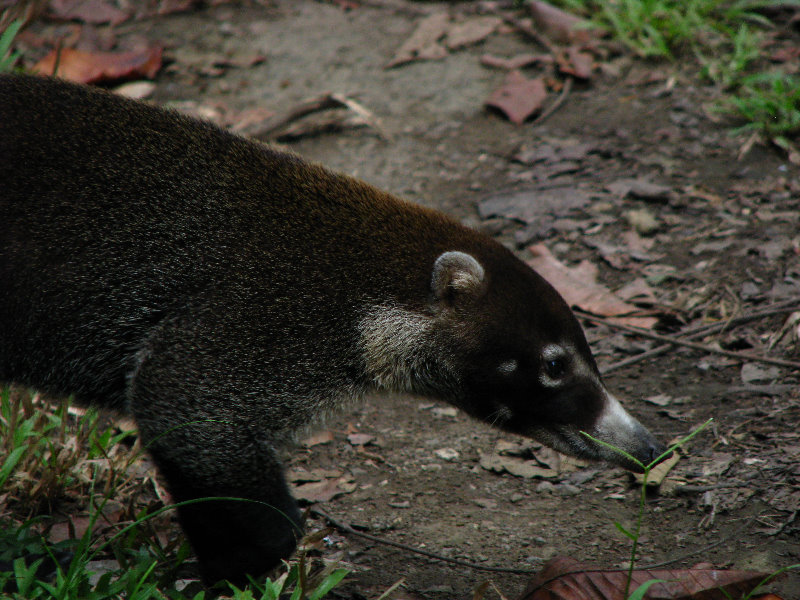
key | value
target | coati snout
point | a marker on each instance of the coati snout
(226, 294)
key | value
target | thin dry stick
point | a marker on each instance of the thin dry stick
(696, 332)
(324, 102)
(678, 342)
(737, 534)
(542, 40)
(461, 563)
(556, 103)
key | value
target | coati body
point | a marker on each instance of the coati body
(226, 294)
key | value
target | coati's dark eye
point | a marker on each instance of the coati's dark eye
(555, 368)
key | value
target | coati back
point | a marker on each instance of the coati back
(226, 294)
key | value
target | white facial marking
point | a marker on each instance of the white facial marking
(552, 352)
(507, 367)
(614, 419)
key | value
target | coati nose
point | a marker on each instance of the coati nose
(655, 450)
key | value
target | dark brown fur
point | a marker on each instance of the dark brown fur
(227, 294)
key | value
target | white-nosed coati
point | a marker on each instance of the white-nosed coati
(226, 294)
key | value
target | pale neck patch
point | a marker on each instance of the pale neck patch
(396, 348)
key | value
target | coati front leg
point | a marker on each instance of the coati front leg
(231, 538)
(207, 440)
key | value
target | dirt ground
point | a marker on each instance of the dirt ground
(725, 242)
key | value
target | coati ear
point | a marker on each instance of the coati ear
(456, 274)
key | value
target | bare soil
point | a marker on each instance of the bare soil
(728, 229)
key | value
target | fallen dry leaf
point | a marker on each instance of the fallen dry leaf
(642, 189)
(323, 491)
(515, 62)
(658, 473)
(519, 97)
(578, 285)
(168, 7)
(564, 578)
(471, 31)
(317, 438)
(95, 67)
(424, 42)
(96, 12)
(561, 26)
(527, 469)
(637, 289)
(576, 63)
(360, 439)
(251, 119)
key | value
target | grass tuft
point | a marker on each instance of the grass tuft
(726, 39)
(56, 458)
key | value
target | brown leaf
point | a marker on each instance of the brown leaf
(471, 31)
(95, 67)
(637, 289)
(323, 491)
(579, 287)
(320, 437)
(561, 26)
(519, 97)
(360, 439)
(96, 12)
(658, 473)
(424, 42)
(515, 62)
(576, 63)
(167, 7)
(564, 578)
(527, 469)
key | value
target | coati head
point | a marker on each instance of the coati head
(499, 342)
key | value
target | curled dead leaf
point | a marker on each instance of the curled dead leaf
(360, 439)
(578, 285)
(561, 26)
(96, 12)
(576, 63)
(471, 31)
(95, 67)
(564, 578)
(519, 97)
(424, 42)
(323, 491)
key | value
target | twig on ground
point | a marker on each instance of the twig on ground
(523, 27)
(556, 103)
(696, 332)
(307, 107)
(737, 534)
(674, 341)
(759, 417)
(345, 528)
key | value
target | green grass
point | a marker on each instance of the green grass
(725, 37)
(636, 533)
(8, 59)
(634, 536)
(54, 459)
(769, 102)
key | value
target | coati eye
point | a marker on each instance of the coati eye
(555, 368)
(554, 362)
